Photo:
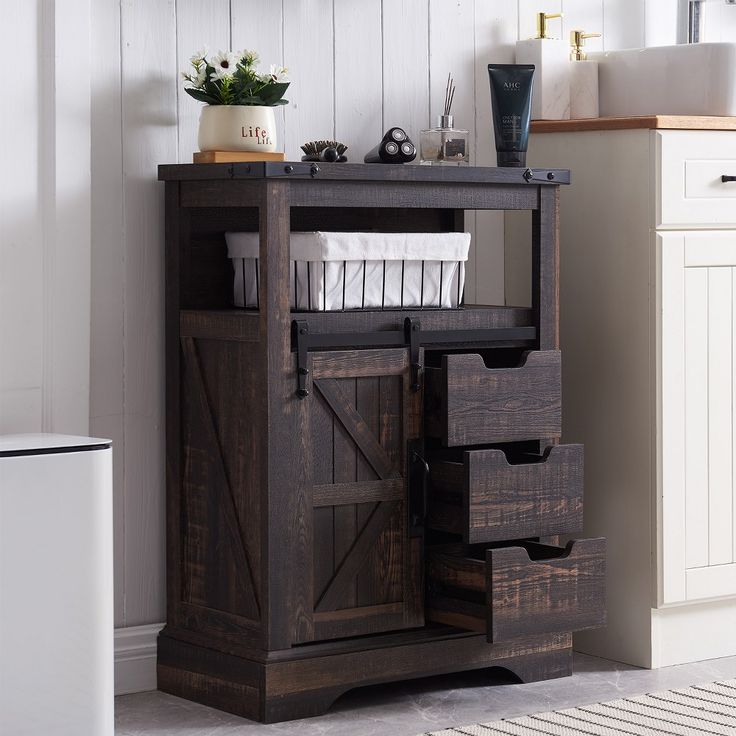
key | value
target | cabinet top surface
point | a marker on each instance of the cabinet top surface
(302, 170)
(647, 122)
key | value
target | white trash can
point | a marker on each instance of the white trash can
(56, 586)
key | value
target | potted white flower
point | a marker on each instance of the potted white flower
(238, 114)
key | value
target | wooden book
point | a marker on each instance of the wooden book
(229, 157)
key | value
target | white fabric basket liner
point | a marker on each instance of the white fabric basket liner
(333, 271)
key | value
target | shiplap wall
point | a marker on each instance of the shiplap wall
(357, 67)
(44, 219)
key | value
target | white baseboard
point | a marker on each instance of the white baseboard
(135, 658)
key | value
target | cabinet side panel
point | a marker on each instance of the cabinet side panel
(607, 342)
(221, 515)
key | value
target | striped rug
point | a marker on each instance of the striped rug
(701, 710)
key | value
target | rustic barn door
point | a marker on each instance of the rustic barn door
(367, 567)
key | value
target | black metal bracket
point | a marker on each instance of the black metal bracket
(300, 332)
(535, 176)
(296, 169)
(412, 331)
(417, 472)
(412, 336)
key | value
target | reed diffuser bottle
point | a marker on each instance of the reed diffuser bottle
(445, 144)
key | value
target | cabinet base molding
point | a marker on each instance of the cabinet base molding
(304, 681)
(693, 632)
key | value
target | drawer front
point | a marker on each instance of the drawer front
(690, 189)
(487, 499)
(516, 591)
(467, 403)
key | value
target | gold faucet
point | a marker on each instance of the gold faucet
(577, 41)
(542, 19)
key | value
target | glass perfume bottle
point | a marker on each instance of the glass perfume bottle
(444, 144)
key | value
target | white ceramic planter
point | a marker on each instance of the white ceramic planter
(237, 128)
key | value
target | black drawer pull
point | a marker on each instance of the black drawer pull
(726, 177)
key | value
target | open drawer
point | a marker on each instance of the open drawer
(509, 592)
(467, 403)
(486, 498)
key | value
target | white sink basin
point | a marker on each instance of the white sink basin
(695, 79)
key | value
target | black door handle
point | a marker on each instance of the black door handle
(725, 178)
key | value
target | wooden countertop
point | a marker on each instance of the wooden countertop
(662, 122)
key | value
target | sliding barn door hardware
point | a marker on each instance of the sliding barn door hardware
(412, 336)
(300, 328)
(412, 332)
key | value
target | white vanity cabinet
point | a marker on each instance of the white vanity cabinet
(648, 325)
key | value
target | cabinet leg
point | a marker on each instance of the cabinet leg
(279, 708)
(542, 665)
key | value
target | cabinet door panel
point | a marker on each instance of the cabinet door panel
(366, 567)
(697, 436)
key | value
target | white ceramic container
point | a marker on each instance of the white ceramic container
(551, 89)
(237, 128)
(689, 79)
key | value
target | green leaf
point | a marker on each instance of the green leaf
(273, 92)
(249, 100)
(214, 90)
(201, 96)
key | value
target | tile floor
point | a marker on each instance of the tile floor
(410, 708)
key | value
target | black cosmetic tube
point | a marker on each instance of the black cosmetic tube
(511, 104)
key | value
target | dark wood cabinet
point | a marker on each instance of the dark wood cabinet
(367, 568)
(370, 495)
(486, 498)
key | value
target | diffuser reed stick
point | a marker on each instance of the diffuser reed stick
(449, 93)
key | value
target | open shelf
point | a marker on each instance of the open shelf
(242, 324)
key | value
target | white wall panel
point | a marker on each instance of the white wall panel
(150, 83)
(66, 173)
(198, 25)
(625, 23)
(358, 76)
(309, 56)
(20, 410)
(719, 22)
(21, 235)
(44, 219)
(406, 65)
(107, 355)
(259, 27)
(586, 15)
(528, 10)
